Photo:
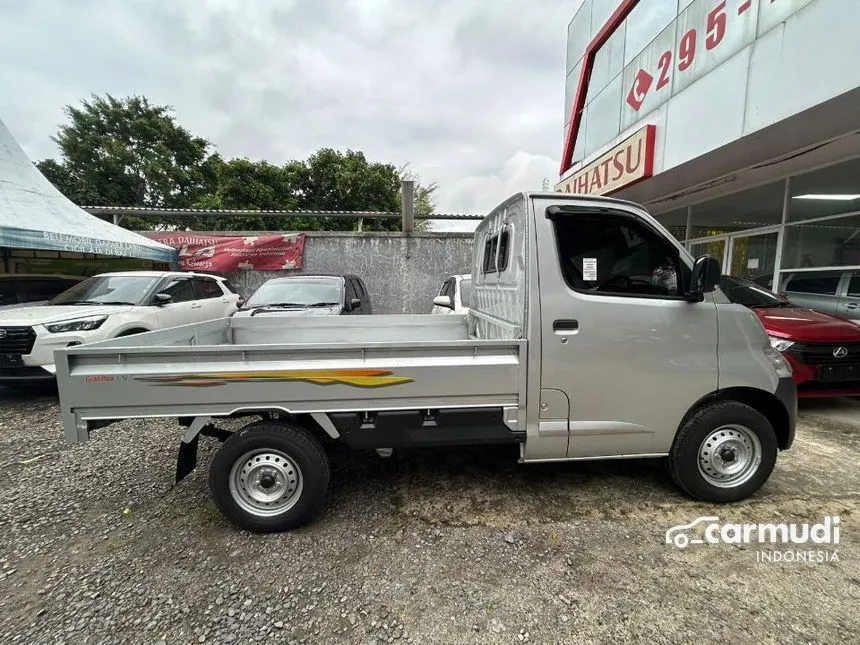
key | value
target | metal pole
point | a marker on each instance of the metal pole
(407, 205)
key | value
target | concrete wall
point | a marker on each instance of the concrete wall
(403, 274)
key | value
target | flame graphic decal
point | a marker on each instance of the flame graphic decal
(356, 378)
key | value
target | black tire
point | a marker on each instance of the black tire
(684, 458)
(300, 447)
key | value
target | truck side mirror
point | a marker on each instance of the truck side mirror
(355, 303)
(706, 275)
(161, 299)
(443, 301)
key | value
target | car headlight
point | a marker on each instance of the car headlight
(780, 344)
(78, 324)
(780, 364)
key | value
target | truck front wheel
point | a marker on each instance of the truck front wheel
(723, 453)
(270, 476)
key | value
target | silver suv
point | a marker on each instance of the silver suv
(831, 291)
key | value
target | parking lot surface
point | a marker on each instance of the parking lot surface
(454, 546)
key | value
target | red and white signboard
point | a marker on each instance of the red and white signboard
(705, 34)
(224, 254)
(630, 161)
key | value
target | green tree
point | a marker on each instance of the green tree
(128, 152)
(331, 180)
(248, 185)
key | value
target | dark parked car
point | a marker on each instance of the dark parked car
(309, 295)
(823, 350)
(22, 289)
(830, 291)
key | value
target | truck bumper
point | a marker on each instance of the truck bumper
(786, 392)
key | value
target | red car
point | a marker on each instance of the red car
(824, 350)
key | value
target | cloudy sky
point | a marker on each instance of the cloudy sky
(469, 93)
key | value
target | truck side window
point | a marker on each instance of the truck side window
(504, 249)
(496, 251)
(490, 246)
(616, 256)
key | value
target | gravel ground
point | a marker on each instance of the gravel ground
(463, 546)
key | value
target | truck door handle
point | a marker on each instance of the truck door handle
(853, 305)
(564, 327)
(196, 305)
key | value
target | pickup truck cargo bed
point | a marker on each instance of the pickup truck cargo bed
(297, 365)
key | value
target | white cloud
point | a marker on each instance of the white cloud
(470, 94)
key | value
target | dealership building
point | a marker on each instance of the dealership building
(735, 122)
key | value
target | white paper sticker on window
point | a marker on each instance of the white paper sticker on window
(752, 263)
(589, 269)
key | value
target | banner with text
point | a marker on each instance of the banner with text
(630, 161)
(224, 254)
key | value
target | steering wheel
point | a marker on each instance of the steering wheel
(622, 281)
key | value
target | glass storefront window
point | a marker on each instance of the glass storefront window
(644, 23)
(579, 34)
(676, 222)
(604, 117)
(753, 208)
(827, 191)
(827, 243)
(753, 256)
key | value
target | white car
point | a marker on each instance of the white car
(102, 307)
(453, 296)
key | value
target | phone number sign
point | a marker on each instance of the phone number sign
(703, 36)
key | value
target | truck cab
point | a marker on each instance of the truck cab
(628, 335)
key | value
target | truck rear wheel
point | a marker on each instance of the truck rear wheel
(270, 476)
(723, 453)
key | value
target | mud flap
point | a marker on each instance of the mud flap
(186, 460)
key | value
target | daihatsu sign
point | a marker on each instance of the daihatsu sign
(630, 161)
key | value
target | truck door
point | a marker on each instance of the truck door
(631, 355)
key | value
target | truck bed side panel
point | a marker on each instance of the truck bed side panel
(115, 380)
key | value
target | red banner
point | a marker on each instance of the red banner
(225, 254)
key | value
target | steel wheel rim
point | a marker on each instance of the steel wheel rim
(265, 482)
(729, 456)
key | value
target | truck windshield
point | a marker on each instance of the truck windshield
(107, 290)
(749, 294)
(296, 293)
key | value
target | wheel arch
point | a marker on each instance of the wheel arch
(764, 402)
(317, 423)
(131, 330)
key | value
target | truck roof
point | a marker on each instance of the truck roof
(579, 196)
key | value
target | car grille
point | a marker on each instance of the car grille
(830, 369)
(822, 353)
(17, 340)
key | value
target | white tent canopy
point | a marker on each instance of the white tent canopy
(35, 215)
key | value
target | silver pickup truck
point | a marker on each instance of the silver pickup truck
(592, 334)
